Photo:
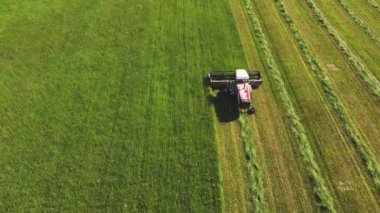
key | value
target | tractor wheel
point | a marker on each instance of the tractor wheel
(251, 110)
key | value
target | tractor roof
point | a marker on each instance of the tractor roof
(241, 74)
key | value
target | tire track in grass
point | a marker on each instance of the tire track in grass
(349, 126)
(347, 7)
(368, 77)
(320, 189)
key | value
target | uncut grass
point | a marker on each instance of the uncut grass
(327, 139)
(359, 42)
(103, 106)
(361, 106)
(6, 14)
(286, 183)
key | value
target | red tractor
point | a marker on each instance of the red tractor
(239, 84)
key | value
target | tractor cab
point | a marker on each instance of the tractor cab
(241, 76)
(244, 89)
(238, 84)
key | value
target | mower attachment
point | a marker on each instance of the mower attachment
(219, 80)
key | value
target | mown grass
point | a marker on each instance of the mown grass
(356, 39)
(343, 165)
(368, 77)
(351, 90)
(346, 6)
(274, 141)
(219, 166)
(102, 105)
(253, 165)
(349, 126)
(275, 77)
(366, 13)
(374, 5)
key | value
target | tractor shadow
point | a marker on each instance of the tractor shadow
(226, 108)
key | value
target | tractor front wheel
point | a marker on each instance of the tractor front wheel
(251, 110)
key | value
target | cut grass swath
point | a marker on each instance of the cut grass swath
(368, 77)
(374, 5)
(320, 189)
(346, 6)
(349, 126)
(254, 168)
(273, 140)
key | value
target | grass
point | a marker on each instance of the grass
(338, 169)
(344, 80)
(355, 38)
(236, 190)
(313, 109)
(320, 189)
(253, 165)
(102, 106)
(347, 7)
(350, 127)
(368, 77)
(366, 13)
(286, 185)
(374, 5)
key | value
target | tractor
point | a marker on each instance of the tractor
(238, 84)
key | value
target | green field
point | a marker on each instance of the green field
(103, 106)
